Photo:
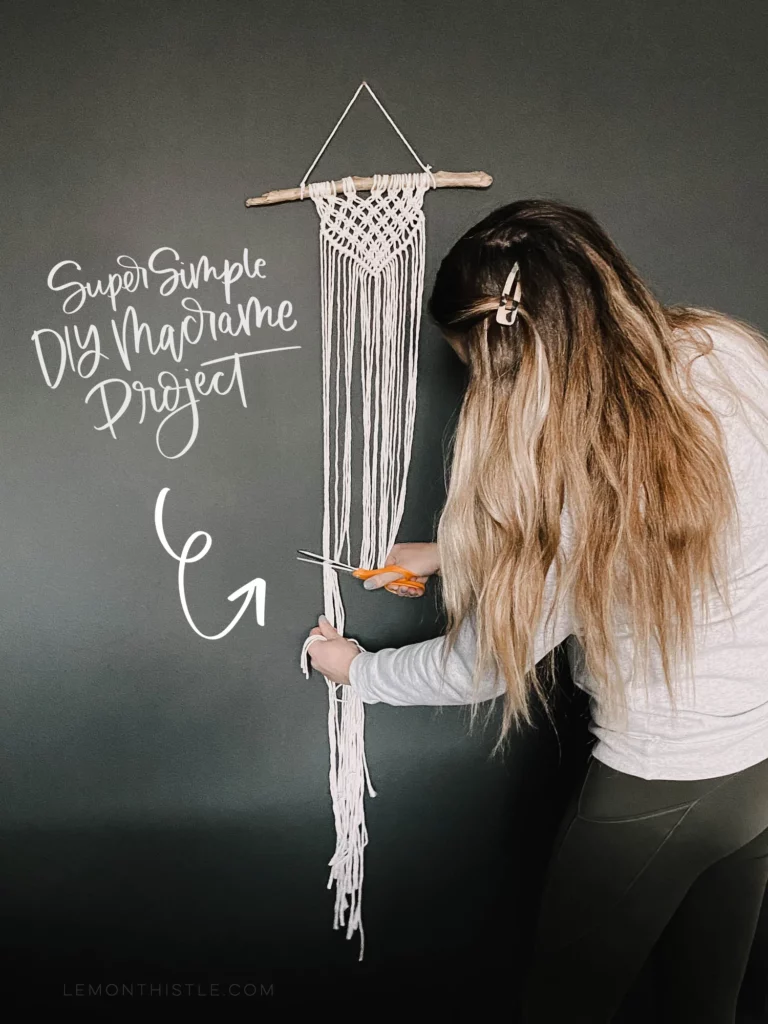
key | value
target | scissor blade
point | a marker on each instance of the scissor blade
(333, 565)
(314, 559)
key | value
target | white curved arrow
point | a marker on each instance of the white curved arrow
(255, 589)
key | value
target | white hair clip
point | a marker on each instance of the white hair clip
(510, 301)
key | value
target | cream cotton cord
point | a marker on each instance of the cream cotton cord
(372, 250)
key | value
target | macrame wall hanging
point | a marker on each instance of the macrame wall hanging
(372, 279)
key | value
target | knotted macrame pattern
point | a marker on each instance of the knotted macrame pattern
(372, 280)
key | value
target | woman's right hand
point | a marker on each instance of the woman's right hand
(420, 559)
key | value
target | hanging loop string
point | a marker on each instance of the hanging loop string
(427, 168)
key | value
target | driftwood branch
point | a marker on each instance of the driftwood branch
(443, 179)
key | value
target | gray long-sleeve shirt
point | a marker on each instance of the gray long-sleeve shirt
(720, 724)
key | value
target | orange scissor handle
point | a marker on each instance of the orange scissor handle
(407, 578)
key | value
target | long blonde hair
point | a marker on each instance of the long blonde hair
(585, 399)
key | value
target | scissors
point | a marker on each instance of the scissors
(407, 578)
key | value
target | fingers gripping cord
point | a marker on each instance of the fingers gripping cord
(304, 659)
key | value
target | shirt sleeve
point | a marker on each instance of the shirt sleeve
(416, 673)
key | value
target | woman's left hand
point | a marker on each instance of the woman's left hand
(333, 655)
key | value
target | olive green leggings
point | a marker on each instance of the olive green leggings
(673, 869)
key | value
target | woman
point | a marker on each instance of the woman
(609, 486)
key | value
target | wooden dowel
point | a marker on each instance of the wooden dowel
(443, 179)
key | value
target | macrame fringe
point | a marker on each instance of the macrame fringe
(372, 280)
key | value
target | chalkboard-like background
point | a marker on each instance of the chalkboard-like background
(165, 805)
